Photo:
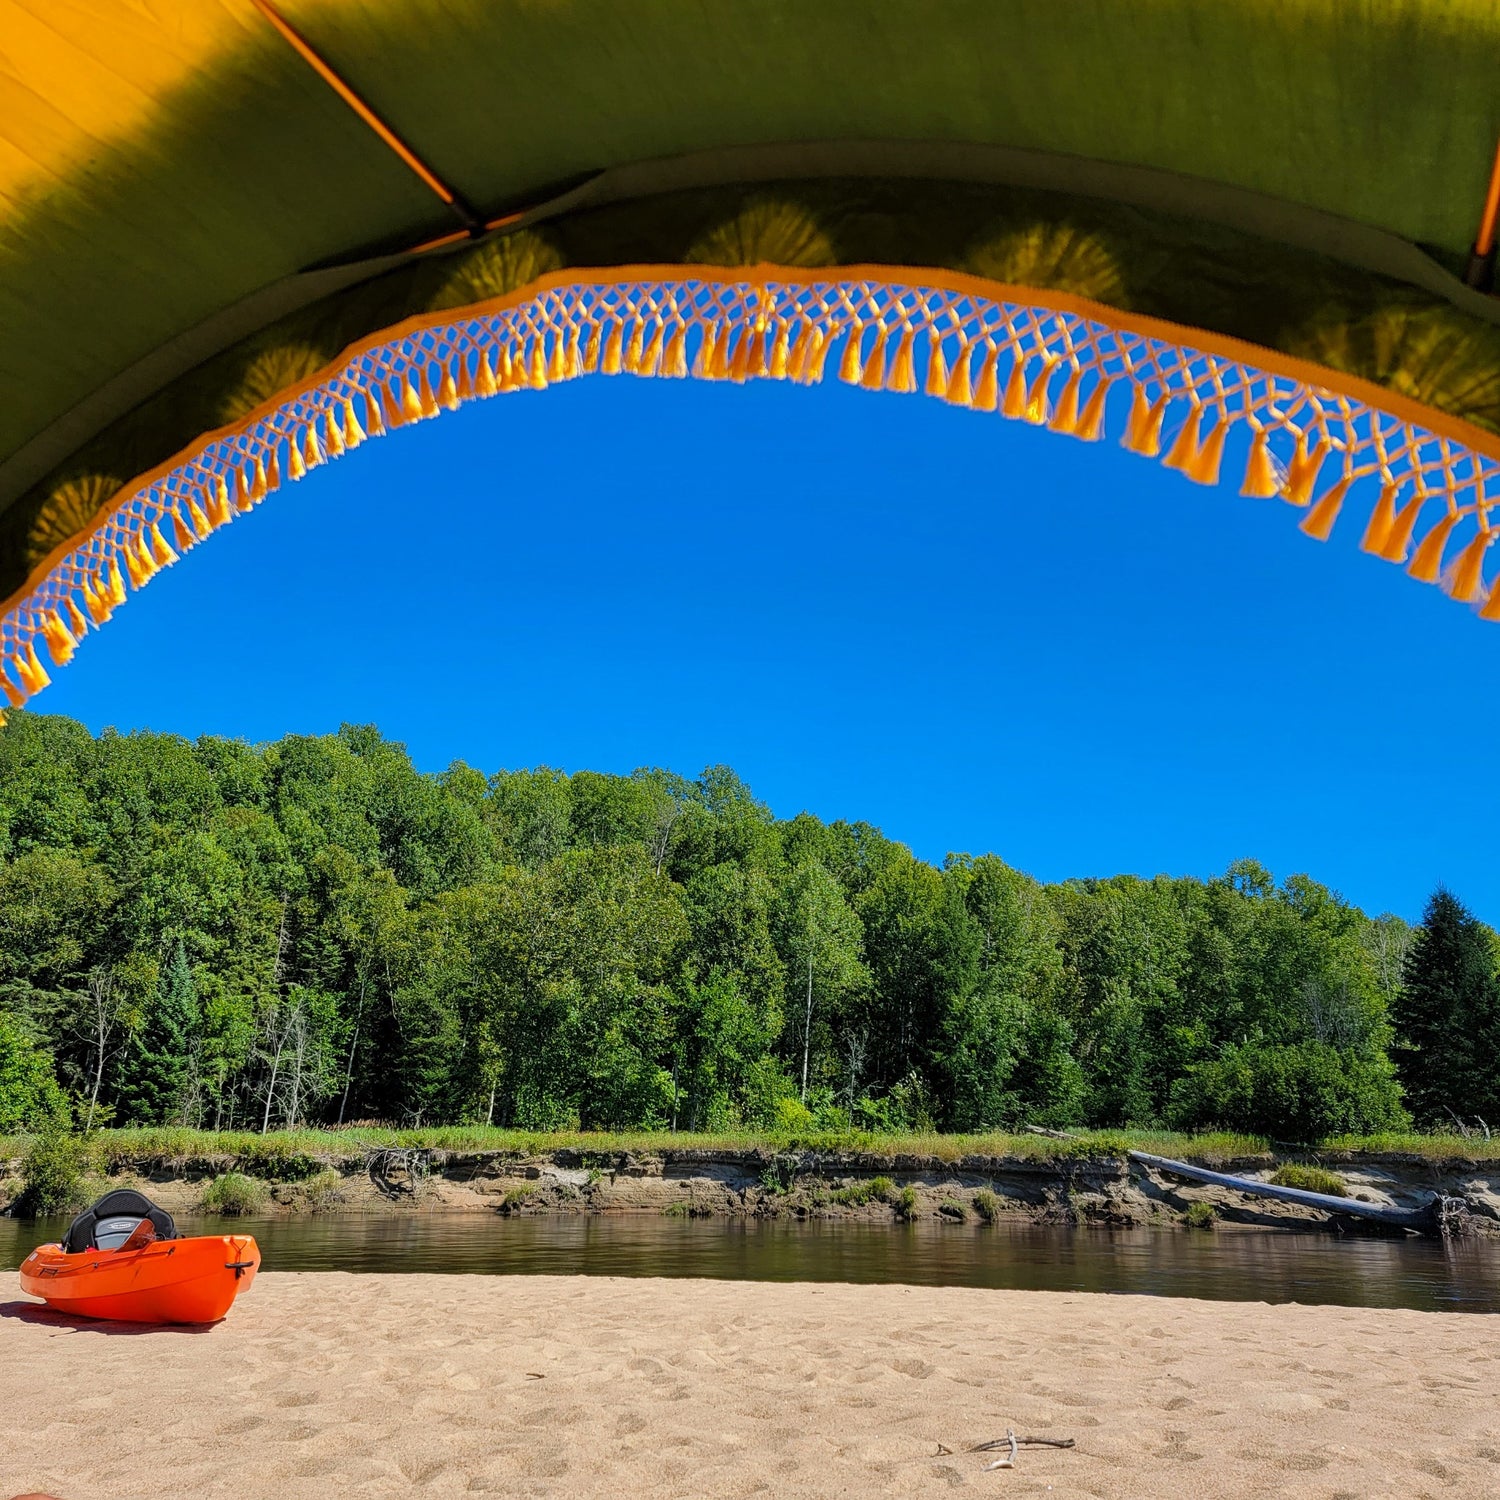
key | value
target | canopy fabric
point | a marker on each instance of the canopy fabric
(195, 222)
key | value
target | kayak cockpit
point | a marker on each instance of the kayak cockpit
(111, 1222)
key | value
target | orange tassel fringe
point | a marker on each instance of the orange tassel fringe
(1466, 584)
(1260, 476)
(766, 345)
(1318, 522)
(1427, 561)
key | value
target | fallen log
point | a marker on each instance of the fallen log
(1433, 1217)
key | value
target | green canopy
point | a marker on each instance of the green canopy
(210, 203)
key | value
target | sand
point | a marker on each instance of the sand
(331, 1385)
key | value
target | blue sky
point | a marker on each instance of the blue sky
(977, 635)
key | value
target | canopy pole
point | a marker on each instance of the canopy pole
(454, 200)
(1481, 272)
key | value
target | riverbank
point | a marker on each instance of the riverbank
(592, 1386)
(1081, 1179)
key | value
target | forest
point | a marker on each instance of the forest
(311, 931)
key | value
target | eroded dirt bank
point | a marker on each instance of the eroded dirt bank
(760, 1184)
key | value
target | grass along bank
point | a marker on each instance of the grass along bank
(287, 1153)
(282, 1153)
(1083, 1178)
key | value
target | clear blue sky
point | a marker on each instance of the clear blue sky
(976, 635)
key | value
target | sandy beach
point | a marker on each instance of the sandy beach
(331, 1384)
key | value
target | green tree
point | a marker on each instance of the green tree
(159, 1074)
(720, 821)
(626, 932)
(305, 1034)
(821, 940)
(56, 920)
(730, 912)
(724, 1074)
(1303, 1093)
(29, 1094)
(1126, 990)
(904, 942)
(531, 813)
(1448, 1015)
(1002, 1047)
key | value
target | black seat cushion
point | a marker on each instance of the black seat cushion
(108, 1224)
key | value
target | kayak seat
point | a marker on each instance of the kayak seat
(110, 1234)
(112, 1220)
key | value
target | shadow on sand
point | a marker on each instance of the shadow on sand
(35, 1312)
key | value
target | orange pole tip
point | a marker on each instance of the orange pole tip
(1484, 242)
(310, 55)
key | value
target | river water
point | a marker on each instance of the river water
(1222, 1265)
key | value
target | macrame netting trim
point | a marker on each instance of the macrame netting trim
(1057, 363)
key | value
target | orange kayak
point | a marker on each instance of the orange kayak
(165, 1281)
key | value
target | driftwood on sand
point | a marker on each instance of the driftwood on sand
(396, 1170)
(1441, 1215)
(1012, 1444)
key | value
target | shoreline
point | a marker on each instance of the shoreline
(701, 1182)
(561, 1386)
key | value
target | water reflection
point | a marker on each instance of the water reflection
(1226, 1266)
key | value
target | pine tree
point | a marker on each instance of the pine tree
(155, 1089)
(1447, 1016)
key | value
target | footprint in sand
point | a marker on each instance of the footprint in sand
(1072, 1398)
(421, 1470)
(552, 1416)
(1177, 1453)
(543, 1465)
(239, 1426)
(1435, 1467)
(1297, 1460)
(316, 1467)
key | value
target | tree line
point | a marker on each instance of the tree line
(312, 931)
